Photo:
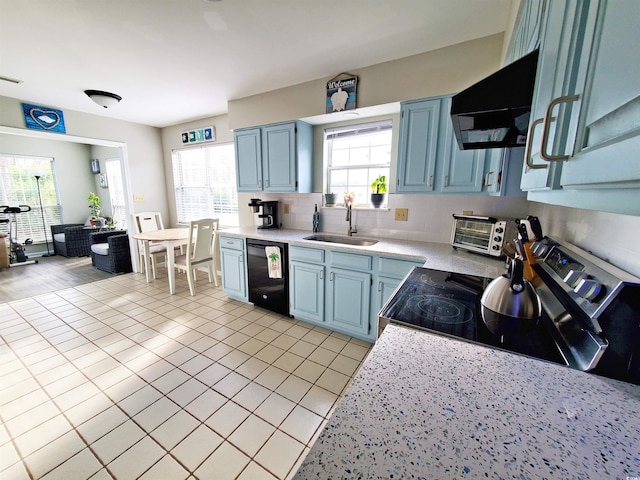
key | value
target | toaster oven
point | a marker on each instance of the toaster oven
(485, 235)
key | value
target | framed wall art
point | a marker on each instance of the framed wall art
(43, 118)
(102, 180)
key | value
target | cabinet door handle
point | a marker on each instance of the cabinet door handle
(266, 183)
(486, 179)
(321, 274)
(331, 276)
(431, 180)
(548, 119)
(527, 149)
(379, 285)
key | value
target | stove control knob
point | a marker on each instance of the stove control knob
(497, 238)
(573, 278)
(588, 289)
(499, 230)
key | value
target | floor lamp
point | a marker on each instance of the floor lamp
(44, 224)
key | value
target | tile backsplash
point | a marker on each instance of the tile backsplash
(429, 220)
(610, 236)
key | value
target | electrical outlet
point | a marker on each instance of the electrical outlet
(402, 214)
(286, 208)
(138, 198)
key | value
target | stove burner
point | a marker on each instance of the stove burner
(441, 310)
(424, 278)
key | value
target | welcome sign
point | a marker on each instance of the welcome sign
(341, 94)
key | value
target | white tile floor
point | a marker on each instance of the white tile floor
(119, 379)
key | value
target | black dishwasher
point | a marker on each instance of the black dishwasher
(268, 275)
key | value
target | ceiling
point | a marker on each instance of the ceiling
(174, 61)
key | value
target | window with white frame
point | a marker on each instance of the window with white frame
(357, 155)
(205, 184)
(116, 193)
(19, 186)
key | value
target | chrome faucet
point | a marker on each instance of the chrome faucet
(352, 230)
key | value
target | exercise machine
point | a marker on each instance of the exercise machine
(17, 255)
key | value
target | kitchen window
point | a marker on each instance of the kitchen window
(18, 186)
(357, 155)
(205, 184)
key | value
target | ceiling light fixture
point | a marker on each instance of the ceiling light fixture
(104, 99)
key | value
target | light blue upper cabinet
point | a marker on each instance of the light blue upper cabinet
(502, 172)
(584, 133)
(462, 170)
(526, 34)
(274, 158)
(430, 160)
(552, 114)
(419, 124)
(608, 137)
(248, 153)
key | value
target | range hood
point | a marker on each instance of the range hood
(494, 113)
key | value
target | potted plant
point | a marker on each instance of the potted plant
(378, 190)
(95, 205)
(329, 199)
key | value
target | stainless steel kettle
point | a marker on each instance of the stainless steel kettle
(510, 304)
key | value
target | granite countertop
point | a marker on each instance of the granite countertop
(428, 406)
(439, 256)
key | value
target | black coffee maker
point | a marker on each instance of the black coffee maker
(269, 213)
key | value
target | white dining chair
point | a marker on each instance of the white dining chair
(201, 251)
(149, 222)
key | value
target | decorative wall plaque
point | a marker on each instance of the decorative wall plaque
(206, 134)
(43, 118)
(341, 93)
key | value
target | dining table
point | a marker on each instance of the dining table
(170, 238)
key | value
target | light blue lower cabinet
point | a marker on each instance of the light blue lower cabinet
(234, 276)
(343, 291)
(306, 292)
(348, 300)
(385, 286)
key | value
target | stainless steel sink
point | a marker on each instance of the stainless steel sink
(361, 242)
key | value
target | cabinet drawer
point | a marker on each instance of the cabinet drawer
(234, 243)
(351, 260)
(395, 267)
(306, 254)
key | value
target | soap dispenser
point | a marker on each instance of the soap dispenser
(316, 219)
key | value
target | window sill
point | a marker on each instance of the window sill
(384, 208)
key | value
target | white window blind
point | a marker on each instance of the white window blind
(356, 156)
(18, 186)
(205, 184)
(116, 193)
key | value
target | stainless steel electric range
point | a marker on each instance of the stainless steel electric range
(590, 319)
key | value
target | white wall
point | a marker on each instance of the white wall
(439, 72)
